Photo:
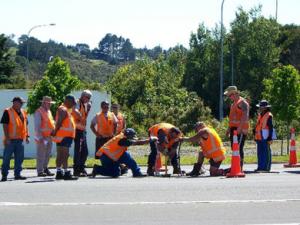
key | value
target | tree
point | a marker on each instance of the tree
(7, 63)
(282, 90)
(57, 82)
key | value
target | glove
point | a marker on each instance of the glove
(153, 139)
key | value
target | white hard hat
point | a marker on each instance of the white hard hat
(87, 93)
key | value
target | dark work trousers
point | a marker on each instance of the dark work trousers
(241, 140)
(153, 153)
(264, 156)
(112, 168)
(99, 143)
(80, 151)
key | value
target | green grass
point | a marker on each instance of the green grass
(142, 160)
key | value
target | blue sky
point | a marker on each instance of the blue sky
(144, 22)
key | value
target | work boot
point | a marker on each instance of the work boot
(59, 175)
(196, 170)
(48, 172)
(150, 171)
(83, 173)
(19, 177)
(42, 174)
(4, 178)
(68, 176)
(176, 170)
(139, 175)
(93, 173)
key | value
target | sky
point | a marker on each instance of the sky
(145, 22)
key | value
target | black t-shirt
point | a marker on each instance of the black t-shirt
(5, 117)
(125, 142)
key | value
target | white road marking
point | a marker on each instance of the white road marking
(142, 203)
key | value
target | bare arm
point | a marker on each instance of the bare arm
(62, 114)
(92, 126)
(196, 138)
(245, 114)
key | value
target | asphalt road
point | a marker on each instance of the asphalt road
(265, 198)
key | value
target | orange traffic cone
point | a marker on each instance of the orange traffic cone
(235, 170)
(293, 153)
(158, 163)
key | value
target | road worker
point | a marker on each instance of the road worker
(114, 152)
(115, 108)
(83, 105)
(104, 126)
(167, 144)
(44, 125)
(211, 148)
(263, 135)
(15, 130)
(63, 135)
(238, 119)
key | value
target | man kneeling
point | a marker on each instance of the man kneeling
(114, 152)
(212, 149)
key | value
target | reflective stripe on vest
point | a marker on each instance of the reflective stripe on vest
(105, 126)
(212, 147)
(17, 129)
(67, 128)
(47, 122)
(112, 149)
(235, 115)
(261, 125)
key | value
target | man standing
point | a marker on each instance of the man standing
(104, 126)
(168, 141)
(83, 105)
(121, 119)
(43, 126)
(211, 148)
(64, 133)
(238, 118)
(264, 136)
(114, 152)
(15, 131)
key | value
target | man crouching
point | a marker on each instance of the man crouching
(114, 152)
(211, 148)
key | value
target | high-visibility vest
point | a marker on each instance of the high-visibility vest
(120, 126)
(212, 147)
(153, 131)
(262, 127)
(47, 122)
(81, 122)
(67, 128)
(105, 126)
(17, 129)
(235, 115)
(112, 149)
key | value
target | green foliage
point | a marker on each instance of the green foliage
(150, 92)
(282, 89)
(56, 83)
(7, 63)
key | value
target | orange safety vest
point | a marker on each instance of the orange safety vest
(67, 128)
(153, 131)
(81, 122)
(105, 126)
(120, 126)
(112, 149)
(261, 125)
(47, 122)
(17, 129)
(235, 115)
(212, 147)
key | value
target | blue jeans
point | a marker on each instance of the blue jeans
(112, 168)
(15, 146)
(264, 157)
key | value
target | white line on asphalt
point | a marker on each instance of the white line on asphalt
(142, 203)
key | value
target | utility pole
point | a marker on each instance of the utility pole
(221, 68)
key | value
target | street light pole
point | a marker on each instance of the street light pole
(27, 47)
(276, 10)
(221, 68)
